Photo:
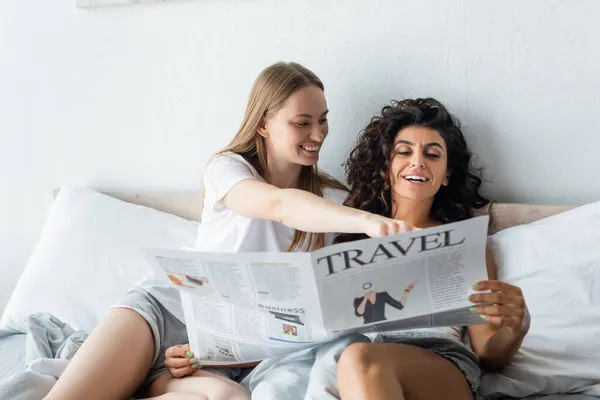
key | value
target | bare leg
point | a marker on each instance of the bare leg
(112, 363)
(213, 386)
(178, 396)
(396, 371)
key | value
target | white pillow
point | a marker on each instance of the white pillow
(556, 262)
(89, 255)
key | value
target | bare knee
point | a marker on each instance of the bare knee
(178, 396)
(360, 357)
(377, 362)
(239, 396)
(197, 396)
(226, 388)
(205, 384)
(234, 391)
(357, 354)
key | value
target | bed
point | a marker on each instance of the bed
(159, 208)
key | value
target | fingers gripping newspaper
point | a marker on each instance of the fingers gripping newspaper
(246, 307)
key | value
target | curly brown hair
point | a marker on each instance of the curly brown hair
(369, 162)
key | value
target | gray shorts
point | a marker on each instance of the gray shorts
(167, 331)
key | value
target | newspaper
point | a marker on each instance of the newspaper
(246, 307)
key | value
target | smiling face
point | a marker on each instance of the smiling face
(418, 163)
(295, 133)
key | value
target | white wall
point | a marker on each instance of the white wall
(137, 97)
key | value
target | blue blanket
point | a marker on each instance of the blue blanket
(48, 345)
(302, 375)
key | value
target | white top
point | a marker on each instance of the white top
(222, 230)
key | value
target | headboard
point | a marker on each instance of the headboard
(189, 205)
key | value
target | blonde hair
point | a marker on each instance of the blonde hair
(273, 86)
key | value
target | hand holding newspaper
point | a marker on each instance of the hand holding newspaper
(245, 307)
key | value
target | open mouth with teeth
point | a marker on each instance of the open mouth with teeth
(311, 149)
(416, 179)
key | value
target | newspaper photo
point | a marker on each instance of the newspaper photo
(246, 307)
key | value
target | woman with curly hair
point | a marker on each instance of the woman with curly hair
(412, 163)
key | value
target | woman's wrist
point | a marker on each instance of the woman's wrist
(362, 219)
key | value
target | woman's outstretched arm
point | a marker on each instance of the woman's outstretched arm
(305, 211)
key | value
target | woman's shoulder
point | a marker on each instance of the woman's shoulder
(229, 162)
(228, 157)
(222, 172)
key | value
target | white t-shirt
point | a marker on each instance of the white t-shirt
(222, 230)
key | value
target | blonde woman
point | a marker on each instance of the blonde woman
(263, 192)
